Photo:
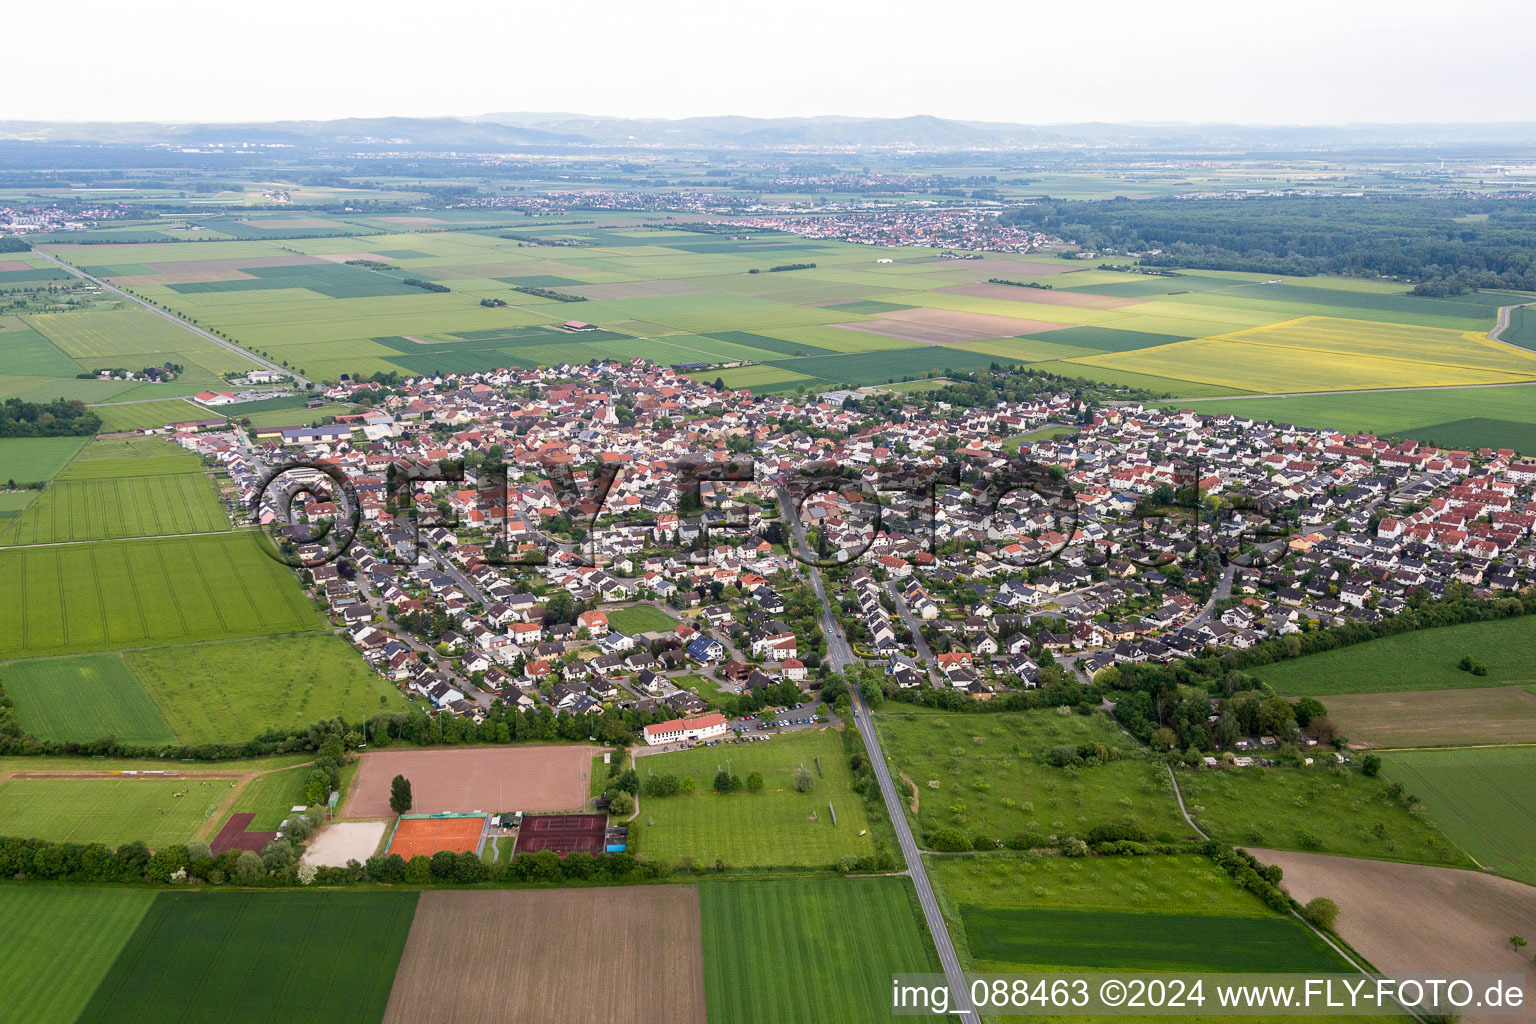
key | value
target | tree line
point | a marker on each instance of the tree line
(1461, 242)
(58, 418)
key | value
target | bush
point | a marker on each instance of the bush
(621, 803)
(1370, 766)
(1322, 912)
(249, 868)
(948, 840)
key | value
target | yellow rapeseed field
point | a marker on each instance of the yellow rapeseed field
(1316, 353)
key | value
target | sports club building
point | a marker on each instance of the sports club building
(704, 727)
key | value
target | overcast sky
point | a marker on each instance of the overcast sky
(1296, 62)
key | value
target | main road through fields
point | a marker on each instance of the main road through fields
(839, 657)
(167, 314)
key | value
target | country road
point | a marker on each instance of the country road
(839, 657)
(172, 317)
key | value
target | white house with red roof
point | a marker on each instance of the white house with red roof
(681, 730)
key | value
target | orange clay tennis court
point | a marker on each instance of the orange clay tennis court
(426, 836)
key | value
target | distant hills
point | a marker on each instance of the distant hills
(489, 132)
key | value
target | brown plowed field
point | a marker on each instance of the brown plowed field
(985, 324)
(521, 778)
(1044, 296)
(923, 334)
(1411, 919)
(524, 955)
(1430, 718)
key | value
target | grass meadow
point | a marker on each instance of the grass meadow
(73, 935)
(1505, 416)
(237, 957)
(639, 618)
(33, 459)
(777, 827)
(81, 698)
(232, 691)
(1483, 797)
(1425, 659)
(1323, 808)
(805, 951)
(987, 774)
(110, 811)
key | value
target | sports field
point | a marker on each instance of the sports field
(109, 810)
(88, 697)
(423, 836)
(1425, 659)
(236, 957)
(807, 951)
(230, 691)
(520, 778)
(73, 933)
(84, 597)
(1484, 798)
(647, 938)
(777, 827)
(1320, 809)
(989, 774)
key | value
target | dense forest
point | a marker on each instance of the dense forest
(1447, 245)
(59, 418)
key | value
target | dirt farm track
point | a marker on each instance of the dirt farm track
(1411, 919)
(543, 972)
(520, 778)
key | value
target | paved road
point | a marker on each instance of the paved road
(839, 657)
(221, 342)
(960, 992)
(919, 643)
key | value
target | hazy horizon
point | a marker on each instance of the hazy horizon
(1200, 63)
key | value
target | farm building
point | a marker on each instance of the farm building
(579, 325)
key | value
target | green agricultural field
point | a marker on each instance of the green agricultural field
(35, 459)
(138, 415)
(639, 618)
(1049, 937)
(237, 957)
(83, 698)
(113, 594)
(110, 811)
(73, 935)
(111, 508)
(1182, 883)
(993, 777)
(1505, 415)
(777, 827)
(1324, 808)
(807, 951)
(232, 691)
(1484, 798)
(1422, 660)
